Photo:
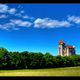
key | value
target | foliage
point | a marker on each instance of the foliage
(35, 60)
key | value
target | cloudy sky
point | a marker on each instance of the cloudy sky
(39, 27)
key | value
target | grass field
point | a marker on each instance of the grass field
(68, 71)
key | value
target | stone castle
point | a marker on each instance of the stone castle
(65, 50)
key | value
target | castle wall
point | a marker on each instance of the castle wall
(67, 53)
(60, 50)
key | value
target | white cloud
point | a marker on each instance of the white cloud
(25, 16)
(15, 25)
(21, 23)
(49, 23)
(38, 23)
(12, 10)
(18, 14)
(6, 9)
(7, 26)
(3, 8)
(3, 16)
(74, 19)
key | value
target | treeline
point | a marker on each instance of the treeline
(31, 60)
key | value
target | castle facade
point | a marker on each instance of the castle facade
(65, 50)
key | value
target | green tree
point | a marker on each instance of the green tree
(35, 60)
(48, 60)
(14, 60)
(3, 54)
(24, 59)
(3, 50)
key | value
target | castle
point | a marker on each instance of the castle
(65, 50)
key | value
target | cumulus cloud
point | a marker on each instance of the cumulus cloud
(74, 19)
(12, 11)
(28, 17)
(15, 25)
(49, 23)
(25, 16)
(7, 26)
(21, 23)
(3, 8)
(18, 14)
(21, 19)
(3, 16)
(6, 9)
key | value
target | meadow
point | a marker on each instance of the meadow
(67, 71)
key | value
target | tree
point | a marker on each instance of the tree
(35, 60)
(14, 60)
(24, 59)
(3, 57)
(48, 60)
(3, 50)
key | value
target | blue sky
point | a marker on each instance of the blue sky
(39, 27)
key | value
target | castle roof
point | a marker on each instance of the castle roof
(69, 46)
(61, 42)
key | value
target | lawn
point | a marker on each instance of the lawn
(67, 71)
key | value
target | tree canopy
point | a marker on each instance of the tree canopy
(35, 60)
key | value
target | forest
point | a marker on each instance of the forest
(35, 60)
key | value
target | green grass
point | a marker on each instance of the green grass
(67, 71)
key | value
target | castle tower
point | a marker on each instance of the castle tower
(61, 48)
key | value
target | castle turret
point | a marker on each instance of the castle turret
(61, 48)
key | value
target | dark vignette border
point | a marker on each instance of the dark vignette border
(40, 2)
(40, 78)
